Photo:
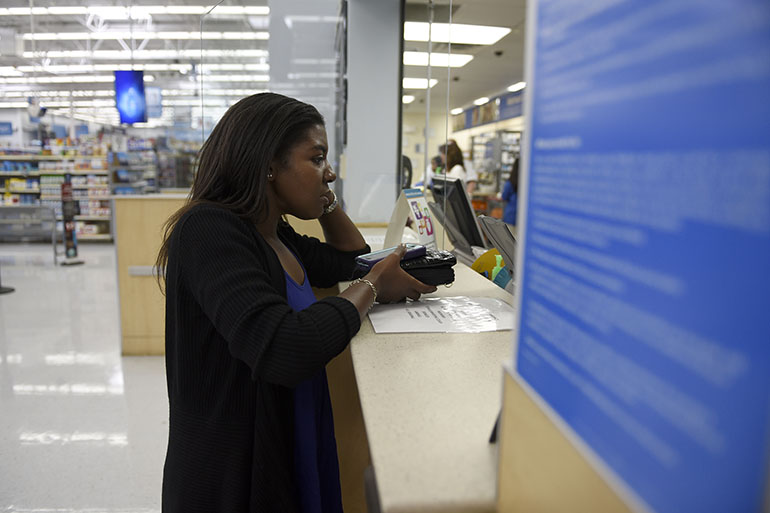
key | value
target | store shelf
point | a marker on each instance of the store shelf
(77, 172)
(11, 174)
(20, 191)
(88, 218)
(27, 158)
(94, 236)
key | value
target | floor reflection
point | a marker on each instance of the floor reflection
(82, 428)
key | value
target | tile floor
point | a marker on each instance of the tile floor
(82, 429)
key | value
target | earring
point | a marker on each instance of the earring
(270, 176)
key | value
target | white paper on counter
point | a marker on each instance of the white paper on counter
(459, 314)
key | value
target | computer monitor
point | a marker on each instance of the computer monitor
(458, 217)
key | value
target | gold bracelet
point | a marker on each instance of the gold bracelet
(371, 286)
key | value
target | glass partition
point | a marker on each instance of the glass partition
(463, 87)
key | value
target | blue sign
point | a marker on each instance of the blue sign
(154, 102)
(645, 297)
(129, 96)
(510, 105)
(60, 131)
(81, 130)
(6, 128)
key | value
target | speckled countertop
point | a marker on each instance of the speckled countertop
(430, 401)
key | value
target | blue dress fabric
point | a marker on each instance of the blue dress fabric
(510, 197)
(316, 469)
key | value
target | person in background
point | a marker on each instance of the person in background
(510, 194)
(250, 420)
(434, 168)
(453, 160)
(467, 164)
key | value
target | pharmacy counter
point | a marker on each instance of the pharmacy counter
(429, 403)
(139, 223)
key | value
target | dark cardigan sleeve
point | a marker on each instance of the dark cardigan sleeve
(226, 267)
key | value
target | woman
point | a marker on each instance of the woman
(246, 343)
(453, 160)
(510, 194)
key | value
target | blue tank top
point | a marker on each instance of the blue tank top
(316, 469)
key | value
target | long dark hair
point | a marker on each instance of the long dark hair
(234, 162)
(454, 156)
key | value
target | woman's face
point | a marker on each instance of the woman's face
(300, 184)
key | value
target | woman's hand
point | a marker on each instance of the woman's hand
(392, 282)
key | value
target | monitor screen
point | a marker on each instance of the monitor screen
(129, 96)
(459, 219)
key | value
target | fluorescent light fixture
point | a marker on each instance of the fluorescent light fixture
(458, 110)
(418, 83)
(65, 79)
(456, 33)
(455, 60)
(144, 54)
(234, 78)
(217, 102)
(14, 105)
(407, 99)
(212, 92)
(518, 86)
(91, 68)
(481, 101)
(136, 11)
(140, 35)
(56, 94)
(10, 71)
(235, 67)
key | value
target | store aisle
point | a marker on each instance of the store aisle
(81, 428)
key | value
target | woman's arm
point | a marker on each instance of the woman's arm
(339, 230)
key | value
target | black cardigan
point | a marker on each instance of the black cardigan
(234, 351)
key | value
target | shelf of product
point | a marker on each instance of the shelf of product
(134, 172)
(493, 155)
(176, 168)
(32, 179)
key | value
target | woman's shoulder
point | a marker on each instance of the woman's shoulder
(210, 218)
(209, 213)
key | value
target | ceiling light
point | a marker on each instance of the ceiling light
(65, 79)
(88, 68)
(14, 105)
(454, 33)
(136, 11)
(233, 78)
(407, 99)
(10, 71)
(144, 54)
(418, 83)
(481, 101)
(456, 60)
(518, 86)
(195, 103)
(458, 110)
(140, 35)
(63, 10)
(236, 67)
